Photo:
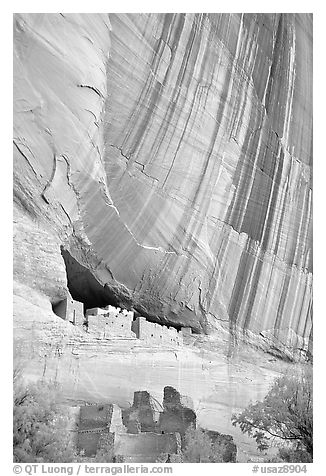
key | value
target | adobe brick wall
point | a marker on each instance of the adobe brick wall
(146, 444)
(176, 417)
(110, 308)
(95, 311)
(75, 312)
(114, 322)
(70, 310)
(106, 442)
(96, 325)
(154, 333)
(137, 326)
(119, 325)
(171, 397)
(87, 443)
(95, 416)
(141, 413)
(93, 421)
(110, 322)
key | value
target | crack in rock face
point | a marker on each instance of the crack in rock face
(170, 156)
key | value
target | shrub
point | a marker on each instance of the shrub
(199, 448)
(285, 415)
(40, 426)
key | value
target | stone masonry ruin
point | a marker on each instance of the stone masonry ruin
(93, 421)
(113, 322)
(152, 332)
(110, 322)
(148, 447)
(70, 310)
(146, 432)
(172, 417)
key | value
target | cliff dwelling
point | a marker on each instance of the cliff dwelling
(114, 322)
(156, 333)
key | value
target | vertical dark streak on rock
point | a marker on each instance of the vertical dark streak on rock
(194, 102)
(174, 40)
(285, 288)
(275, 60)
(149, 94)
(252, 292)
(244, 270)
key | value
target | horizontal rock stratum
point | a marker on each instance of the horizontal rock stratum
(165, 160)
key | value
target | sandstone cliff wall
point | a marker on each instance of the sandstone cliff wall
(170, 154)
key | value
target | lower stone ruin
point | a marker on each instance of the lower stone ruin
(111, 322)
(147, 432)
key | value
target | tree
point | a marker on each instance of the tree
(40, 426)
(199, 448)
(285, 415)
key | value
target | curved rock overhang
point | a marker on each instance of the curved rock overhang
(171, 154)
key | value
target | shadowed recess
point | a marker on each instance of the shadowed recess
(84, 287)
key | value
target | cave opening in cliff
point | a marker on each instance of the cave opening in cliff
(84, 287)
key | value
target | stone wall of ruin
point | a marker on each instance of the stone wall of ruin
(70, 310)
(114, 322)
(155, 333)
(93, 421)
(95, 416)
(75, 312)
(111, 324)
(146, 444)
